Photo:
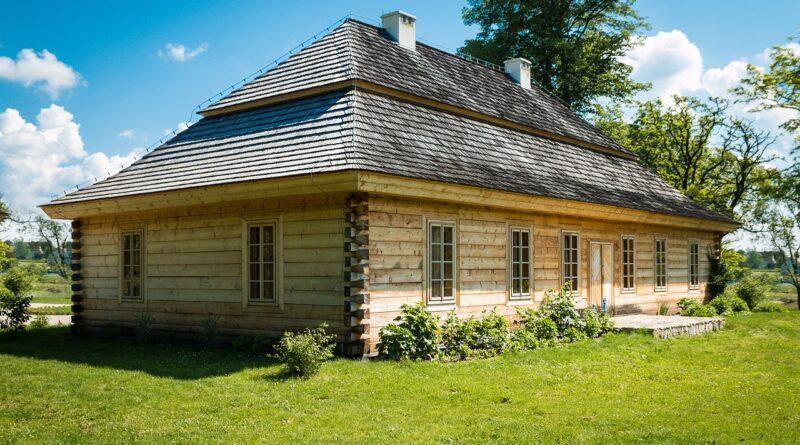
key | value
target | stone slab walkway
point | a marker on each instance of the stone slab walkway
(665, 326)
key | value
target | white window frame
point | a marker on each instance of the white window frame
(575, 292)
(512, 263)
(429, 300)
(140, 232)
(276, 224)
(631, 289)
(689, 275)
(656, 287)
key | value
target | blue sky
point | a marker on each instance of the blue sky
(117, 80)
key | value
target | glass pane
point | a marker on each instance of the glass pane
(255, 237)
(526, 286)
(436, 234)
(436, 252)
(136, 291)
(515, 254)
(269, 290)
(126, 242)
(436, 289)
(126, 290)
(135, 273)
(254, 273)
(253, 254)
(126, 257)
(448, 252)
(525, 254)
(567, 240)
(515, 287)
(436, 271)
(255, 293)
(524, 240)
(268, 234)
(268, 271)
(448, 235)
(268, 252)
(136, 239)
(126, 273)
(525, 270)
(448, 271)
(135, 257)
(575, 270)
(448, 289)
(516, 270)
(515, 238)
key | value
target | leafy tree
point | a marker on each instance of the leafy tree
(697, 147)
(777, 87)
(574, 46)
(55, 235)
(755, 260)
(21, 250)
(777, 219)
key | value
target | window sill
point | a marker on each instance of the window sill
(131, 300)
(441, 307)
(519, 301)
(628, 291)
(661, 290)
(263, 306)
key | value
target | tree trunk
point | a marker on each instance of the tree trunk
(797, 288)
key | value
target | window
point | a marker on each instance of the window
(132, 259)
(569, 259)
(694, 265)
(441, 261)
(628, 264)
(661, 264)
(520, 263)
(261, 264)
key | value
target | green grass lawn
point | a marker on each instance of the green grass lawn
(51, 289)
(55, 310)
(738, 385)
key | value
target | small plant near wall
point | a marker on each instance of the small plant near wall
(415, 334)
(303, 353)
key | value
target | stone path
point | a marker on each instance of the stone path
(665, 326)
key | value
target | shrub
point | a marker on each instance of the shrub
(728, 303)
(243, 343)
(691, 308)
(752, 289)
(482, 337)
(770, 306)
(13, 310)
(559, 306)
(39, 322)
(596, 323)
(144, 326)
(18, 281)
(525, 340)
(413, 335)
(302, 353)
(663, 308)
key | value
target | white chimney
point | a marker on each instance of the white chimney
(520, 70)
(400, 25)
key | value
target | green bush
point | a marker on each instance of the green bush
(728, 303)
(596, 323)
(13, 310)
(302, 353)
(559, 306)
(413, 335)
(482, 337)
(18, 281)
(752, 289)
(691, 308)
(39, 322)
(769, 306)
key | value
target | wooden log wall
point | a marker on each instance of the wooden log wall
(356, 276)
(77, 282)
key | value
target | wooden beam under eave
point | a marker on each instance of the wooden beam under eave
(317, 184)
(378, 183)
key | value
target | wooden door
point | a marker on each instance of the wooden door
(601, 279)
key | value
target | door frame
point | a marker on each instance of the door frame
(613, 272)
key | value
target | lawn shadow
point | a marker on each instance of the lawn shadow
(158, 360)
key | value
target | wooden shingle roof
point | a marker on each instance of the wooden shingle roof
(355, 129)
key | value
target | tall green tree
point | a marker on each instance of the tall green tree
(777, 87)
(697, 147)
(574, 45)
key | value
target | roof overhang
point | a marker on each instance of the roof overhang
(377, 184)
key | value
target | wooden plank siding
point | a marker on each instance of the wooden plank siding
(194, 262)
(397, 257)
(194, 268)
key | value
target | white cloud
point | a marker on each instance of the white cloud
(182, 125)
(42, 69)
(718, 81)
(180, 53)
(127, 134)
(670, 61)
(38, 160)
